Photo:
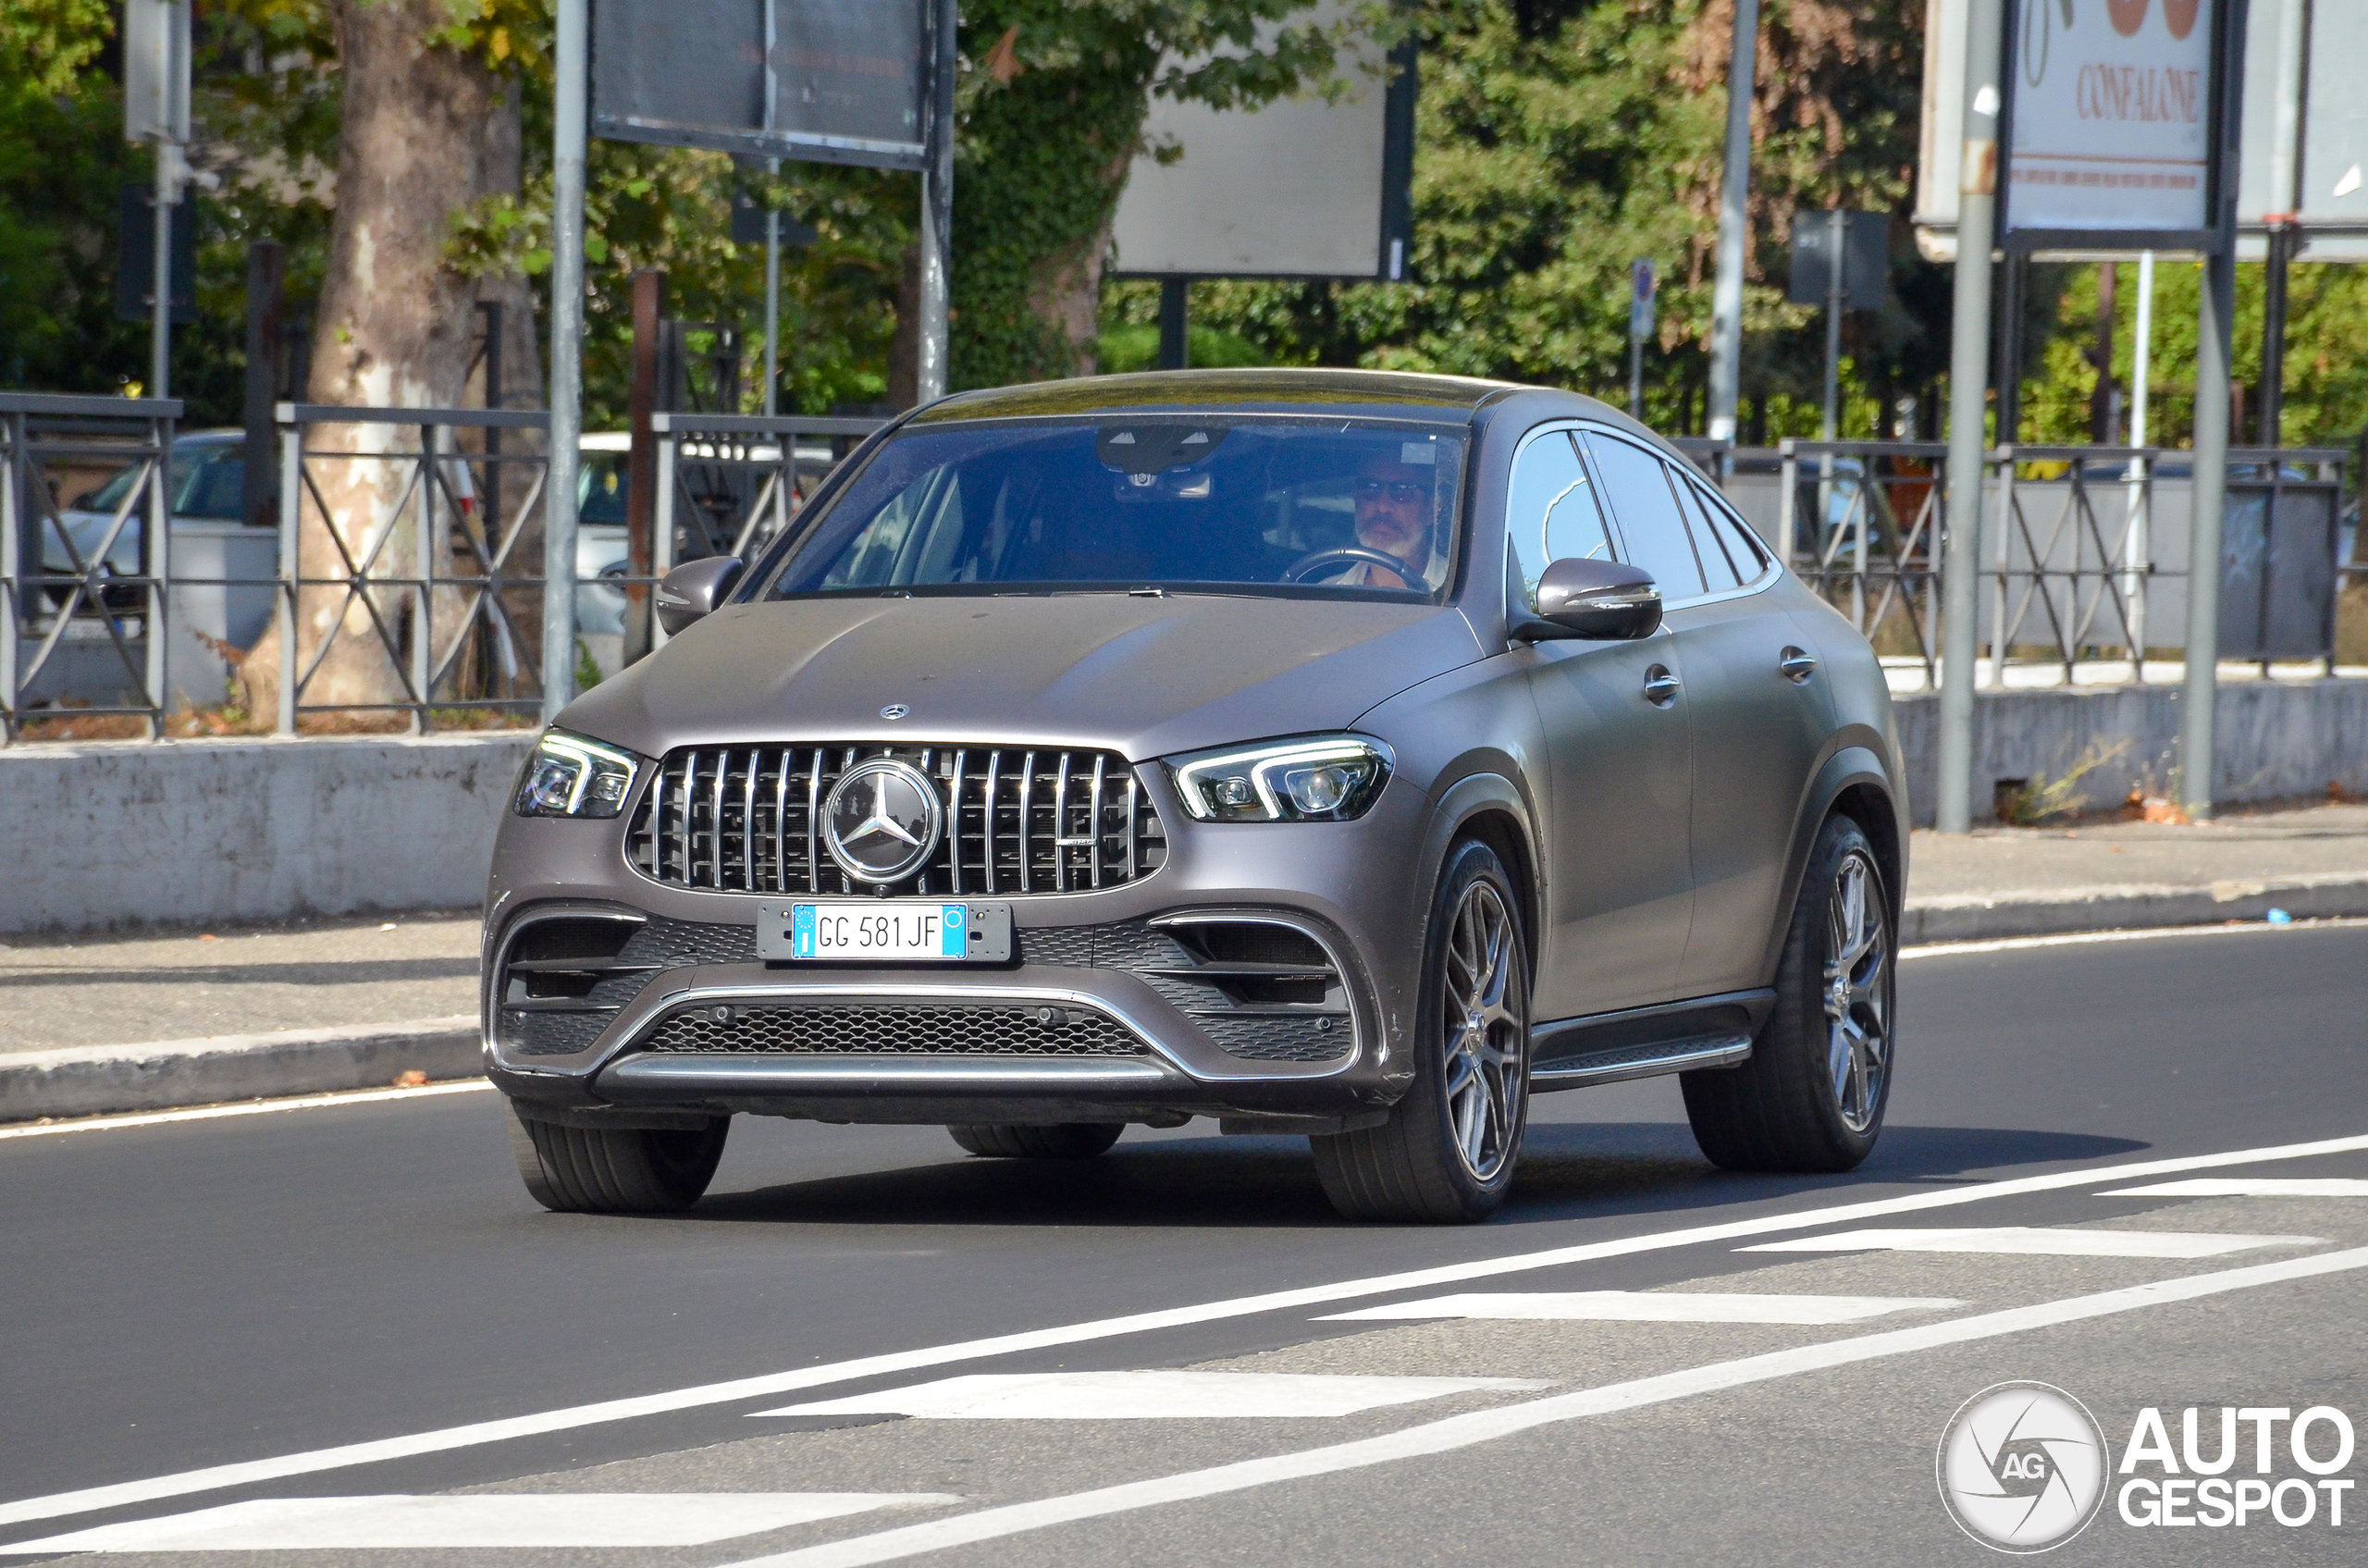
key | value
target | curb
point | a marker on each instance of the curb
(1989, 916)
(78, 1081)
(104, 1079)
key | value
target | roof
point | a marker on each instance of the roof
(1389, 394)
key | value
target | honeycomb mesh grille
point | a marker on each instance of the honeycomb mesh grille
(748, 818)
(558, 1012)
(895, 1029)
(1220, 975)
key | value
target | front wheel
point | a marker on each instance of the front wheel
(1447, 1151)
(1811, 1098)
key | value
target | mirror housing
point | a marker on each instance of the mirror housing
(1598, 601)
(692, 589)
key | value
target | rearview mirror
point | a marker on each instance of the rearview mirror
(1600, 600)
(691, 590)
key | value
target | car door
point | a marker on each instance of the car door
(1620, 764)
(1760, 714)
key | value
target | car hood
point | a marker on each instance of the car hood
(1145, 677)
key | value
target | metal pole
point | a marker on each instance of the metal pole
(567, 359)
(2213, 318)
(12, 470)
(1734, 193)
(1829, 428)
(160, 321)
(2286, 201)
(1175, 323)
(292, 479)
(772, 302)
(2137, 572)
(937, 211)
(1969, 388)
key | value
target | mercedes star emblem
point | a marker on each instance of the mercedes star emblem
(882, 820)
(894, 711)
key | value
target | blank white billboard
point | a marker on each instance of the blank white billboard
(1300, 188)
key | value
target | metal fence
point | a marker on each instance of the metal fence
(2084, 551)
(403, 578)
(423, 603)
(79, 582)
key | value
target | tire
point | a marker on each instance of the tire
(1069, 1140)
(1447, 1153)
(615, 1170)
(1811, 1098)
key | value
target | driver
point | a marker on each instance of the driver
(1394, 517)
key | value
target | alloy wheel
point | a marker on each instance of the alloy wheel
(1485, 1021)
(1858, 992)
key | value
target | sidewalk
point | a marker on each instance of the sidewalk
(97, 1025)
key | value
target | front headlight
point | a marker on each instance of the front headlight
(570, 776)
(1310, 779)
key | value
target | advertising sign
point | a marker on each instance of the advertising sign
(2114, 125)
(824, 81)
(1297, 187)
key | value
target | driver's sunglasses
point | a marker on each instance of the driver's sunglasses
(1399, 490)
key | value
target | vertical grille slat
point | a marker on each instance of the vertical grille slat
(749, 820)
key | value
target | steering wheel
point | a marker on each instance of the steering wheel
(1346, 555)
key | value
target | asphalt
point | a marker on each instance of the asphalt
(199, 1292)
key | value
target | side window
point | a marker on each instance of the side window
(1550, 510)
(1637, 484)
(1719, 569)
(1749, 559)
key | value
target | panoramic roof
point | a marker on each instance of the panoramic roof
(1449, 399)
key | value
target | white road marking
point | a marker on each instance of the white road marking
(1148, 1396)
(504, 1519)
(1646, 1306)
(571, 1417)
(246, 1108)
(1487, 1425)
(2037, 1241)
(2250, 1187)
(2151, 933)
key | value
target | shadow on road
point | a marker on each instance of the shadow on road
(1569, 1171)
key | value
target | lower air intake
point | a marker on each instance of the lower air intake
(895, 1029)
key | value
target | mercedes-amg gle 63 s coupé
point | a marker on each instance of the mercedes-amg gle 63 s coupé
(1344, 754)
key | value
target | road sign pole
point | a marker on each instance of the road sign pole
(571, 60)
(160, 324)
(937, 211)
(1734, 191)
(1969, 395)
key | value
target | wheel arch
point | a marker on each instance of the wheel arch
(1852, 783)
(1490, 807)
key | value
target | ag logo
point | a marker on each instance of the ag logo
(2022, 1467)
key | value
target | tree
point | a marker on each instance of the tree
(420, 109)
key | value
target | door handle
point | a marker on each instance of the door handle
(1660, 686)
(1797, 665)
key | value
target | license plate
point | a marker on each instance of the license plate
(904, 930)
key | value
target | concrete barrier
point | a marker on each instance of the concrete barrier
(2275, 740)
(121, 834)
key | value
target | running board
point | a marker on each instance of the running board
(1641, 1061)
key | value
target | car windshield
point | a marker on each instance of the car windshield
(1216, 503)
(209, 481)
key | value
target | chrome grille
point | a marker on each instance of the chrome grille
(748, 818)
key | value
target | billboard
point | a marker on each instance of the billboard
(2298, 50)
(824, 81)
(2112, 125)
(1300, 188)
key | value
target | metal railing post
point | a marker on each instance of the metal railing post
(12, 470)
(661, 546)
(158, 554)
(292, 484)
(422, 620)
(1787, 503)
(2001, 597)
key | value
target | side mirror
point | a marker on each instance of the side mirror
(691, 590)
(1600, 600)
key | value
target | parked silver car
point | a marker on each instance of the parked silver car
(1335, 753)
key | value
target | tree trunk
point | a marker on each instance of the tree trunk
(1065, 290)
(392, 329)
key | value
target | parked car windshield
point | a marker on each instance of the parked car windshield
(207, 479)
(1218, 503)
